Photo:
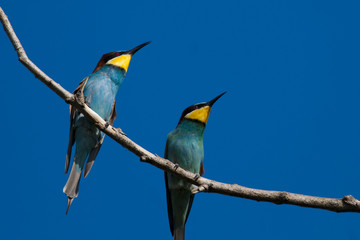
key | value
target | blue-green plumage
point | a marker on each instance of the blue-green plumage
(184, 146)
(101, 88)
(99, 91)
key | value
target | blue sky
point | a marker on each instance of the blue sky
(290, 119)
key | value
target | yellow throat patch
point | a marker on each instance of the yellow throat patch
(122, 61)
(201, 114)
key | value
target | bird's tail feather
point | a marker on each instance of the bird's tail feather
(69, 204)
(179, 234)
(71, 188)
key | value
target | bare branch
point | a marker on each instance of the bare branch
(345, 204)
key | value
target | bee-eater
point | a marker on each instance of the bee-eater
(184, 146)
(99, 90)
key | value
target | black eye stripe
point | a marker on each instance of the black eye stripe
(111, 55)
(192, 108)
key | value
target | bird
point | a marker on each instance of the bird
(184, 147)
(99, 90)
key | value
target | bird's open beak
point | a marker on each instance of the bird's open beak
(135, 49)
(210, 103)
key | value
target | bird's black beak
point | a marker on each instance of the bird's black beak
(135, 49)
(210, 103)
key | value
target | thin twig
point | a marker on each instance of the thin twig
(345, 204)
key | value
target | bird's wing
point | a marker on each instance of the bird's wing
(168, 197)
(202, 170)
(190, 205)
(71, 140)
(169, 206)
(113, 114)
(72, 126)
(92, 155)
(94, 152)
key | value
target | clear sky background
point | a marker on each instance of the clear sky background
(290, 120)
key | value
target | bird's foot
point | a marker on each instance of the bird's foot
(79, 97)
(194, 189)
(201, 188)
(176, 166)
(197, 176)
